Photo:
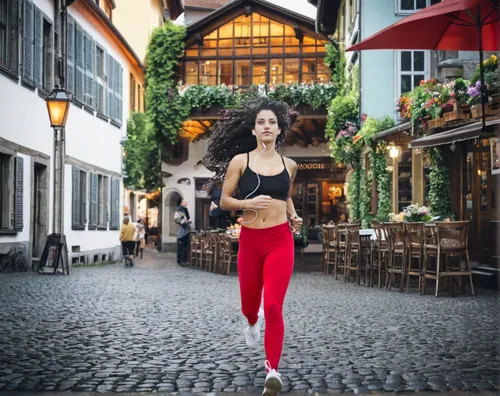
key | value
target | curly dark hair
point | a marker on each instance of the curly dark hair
(232, 133)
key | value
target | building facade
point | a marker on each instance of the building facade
(99, 65)
(257, 44)
(387, 74)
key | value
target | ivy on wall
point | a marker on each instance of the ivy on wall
(440, 187)
(142, 163)
(383, 182)
(165, 107)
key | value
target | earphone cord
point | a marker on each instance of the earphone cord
(256, 188)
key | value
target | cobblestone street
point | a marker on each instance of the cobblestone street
(160, 327)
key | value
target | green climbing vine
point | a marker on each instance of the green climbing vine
(142, 163)
(440, 188)
(383, 181)
(166, 109)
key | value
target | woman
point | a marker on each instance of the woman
(244, 143)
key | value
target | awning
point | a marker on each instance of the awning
(466, 132)
(406, 126)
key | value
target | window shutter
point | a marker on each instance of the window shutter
(89, 71)
(76, 194)
(79, 63)
(13, 45)
(70, 73)
(115, 204)
(117, 96)
(109, 86)
(18, 197)
(106, 200)
(94, 199)
(28, 42)
(37, 50)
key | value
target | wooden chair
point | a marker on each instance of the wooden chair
(353, 248)
(227, 255)
(333, 247)
(216, 238)
(196, 249)
(380, 253)
(452, 240)
(397, 248)
(415, 242)
(208, 251)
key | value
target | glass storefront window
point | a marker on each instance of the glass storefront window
(291, 71)
(242, 72)
(208, 74)
(260, 26)
(404, 181)
(276, 29)
(323, 72)
(259, 72)
(226, 47)
(483, 180)
(242, 27)
(225, 75)
(276, 75)
(226, 31)
(191, 73)
(192, 51)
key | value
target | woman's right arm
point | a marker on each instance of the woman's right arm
(233, 174)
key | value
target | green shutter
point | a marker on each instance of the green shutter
(13, 45)
(70, 71)
(28, 42)
(37, 48)
(76, 203)
(18, 197)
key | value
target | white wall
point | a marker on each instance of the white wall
(24, 121)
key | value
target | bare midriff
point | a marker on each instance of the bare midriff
(274, 215)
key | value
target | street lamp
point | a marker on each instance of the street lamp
(55, 250)
(58, 106)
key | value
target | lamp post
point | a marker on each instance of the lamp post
(58, 102)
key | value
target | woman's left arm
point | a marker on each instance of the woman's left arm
(290, 208)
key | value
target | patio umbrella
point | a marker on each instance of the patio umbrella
(467, 25)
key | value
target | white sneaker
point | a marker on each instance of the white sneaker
(273, 384)
(252, 333)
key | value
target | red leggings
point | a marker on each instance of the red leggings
(265, 260)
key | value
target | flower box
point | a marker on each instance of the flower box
(436, 123)
(456, 114)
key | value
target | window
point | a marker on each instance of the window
(38, 53)
(103, 201)
(4, 23)
(409, 6)
(99, 198)
(108, 9)
(79, 197)
(99, 79)
(11, 192)
(225, 72)
(412, 68)
(94, 77)
(252, 40)
(291, 71)
(9, 40)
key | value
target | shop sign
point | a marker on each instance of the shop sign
(312, 166)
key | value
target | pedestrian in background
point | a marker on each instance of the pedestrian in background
(182, 218)
(140, 238)
(127, 239)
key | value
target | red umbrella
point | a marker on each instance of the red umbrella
(467, 25)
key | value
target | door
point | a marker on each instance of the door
(39, 220)
(477, 200)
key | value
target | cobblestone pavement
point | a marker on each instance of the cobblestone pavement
(160, 327)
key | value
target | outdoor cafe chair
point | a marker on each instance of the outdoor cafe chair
(196, 249)
(333, 247)
(379, 253)
(452, 240)
(415, 241)
(397, 249)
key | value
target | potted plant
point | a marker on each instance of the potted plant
(414, 213)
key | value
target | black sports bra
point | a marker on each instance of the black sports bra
(275, 186)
